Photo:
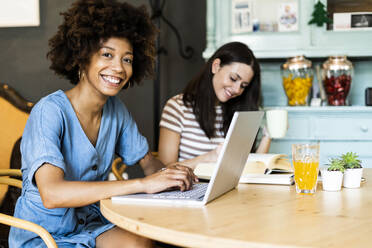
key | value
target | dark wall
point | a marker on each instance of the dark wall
(24, 66)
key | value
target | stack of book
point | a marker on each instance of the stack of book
(261, 168)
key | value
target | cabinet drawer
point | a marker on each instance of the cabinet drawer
(341, 128)
(299, 127)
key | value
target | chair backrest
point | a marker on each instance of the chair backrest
(118, 169)
(6, 177)
(14, 111)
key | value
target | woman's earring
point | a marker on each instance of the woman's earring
(79, 74)
(129, 83)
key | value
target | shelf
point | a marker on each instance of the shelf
(328, 109)
(309, 40)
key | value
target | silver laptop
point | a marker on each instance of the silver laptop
(230, 164)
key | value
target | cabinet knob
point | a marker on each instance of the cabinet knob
(364, 129)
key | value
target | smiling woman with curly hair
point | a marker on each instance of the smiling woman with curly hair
(71, 137)
(90, 23)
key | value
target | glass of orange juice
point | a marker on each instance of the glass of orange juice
(305, 158)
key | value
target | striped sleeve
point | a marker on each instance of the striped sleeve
(172, 116)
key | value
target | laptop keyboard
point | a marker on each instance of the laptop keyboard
(198, 190)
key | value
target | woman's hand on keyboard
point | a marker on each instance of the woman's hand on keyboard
(172, 176)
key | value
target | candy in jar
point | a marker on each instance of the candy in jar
(336, 75)
(297, 77)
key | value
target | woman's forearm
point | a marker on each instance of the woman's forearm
(208, 157)
(72, 194)
(264, 145)
(150, 164)
(56, 192)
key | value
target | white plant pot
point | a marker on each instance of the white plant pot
(331, 180)
(353, 177)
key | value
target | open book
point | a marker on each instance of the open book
(263, 168)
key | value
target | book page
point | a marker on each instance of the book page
(264, 163)
(281, 164)
(265, 158)
(255, 167)
(204, 170)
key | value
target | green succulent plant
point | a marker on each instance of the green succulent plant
(351, 161)
(336, 164)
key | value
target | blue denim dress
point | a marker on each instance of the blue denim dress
(53, 134)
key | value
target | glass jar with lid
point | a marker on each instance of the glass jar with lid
(337, 72)
(297, 75)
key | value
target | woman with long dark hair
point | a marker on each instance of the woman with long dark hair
(194, 123)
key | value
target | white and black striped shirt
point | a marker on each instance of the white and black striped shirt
(181, 119)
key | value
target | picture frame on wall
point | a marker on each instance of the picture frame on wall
(352, 21)
(363, 20)
(241, 16)
(288, 17)
(19, 13)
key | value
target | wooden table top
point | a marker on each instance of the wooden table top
(255, 215)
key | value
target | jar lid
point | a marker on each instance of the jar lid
(338, 62)
(297, 62)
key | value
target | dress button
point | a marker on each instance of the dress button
(94, 167)
(81, 221)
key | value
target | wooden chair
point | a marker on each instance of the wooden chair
(6, 177)
(14, 112)
(118, 168)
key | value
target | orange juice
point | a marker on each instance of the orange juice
(306, 175)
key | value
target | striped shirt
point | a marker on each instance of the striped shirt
(181, 119)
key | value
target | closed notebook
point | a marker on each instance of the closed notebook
(262, 168)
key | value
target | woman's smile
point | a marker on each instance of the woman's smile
(112, 81)
(228, 94)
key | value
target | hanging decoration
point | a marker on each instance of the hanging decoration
(319, 15)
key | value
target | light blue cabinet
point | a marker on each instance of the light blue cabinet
(309, 40)
(337, 129)
(354, 43)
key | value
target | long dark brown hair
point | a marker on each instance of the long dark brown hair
(199, 93)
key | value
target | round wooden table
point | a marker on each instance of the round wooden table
(257, 216)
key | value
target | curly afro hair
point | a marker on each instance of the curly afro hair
(88, 23)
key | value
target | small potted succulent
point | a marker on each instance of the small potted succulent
(332, 176)
(353, 170)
